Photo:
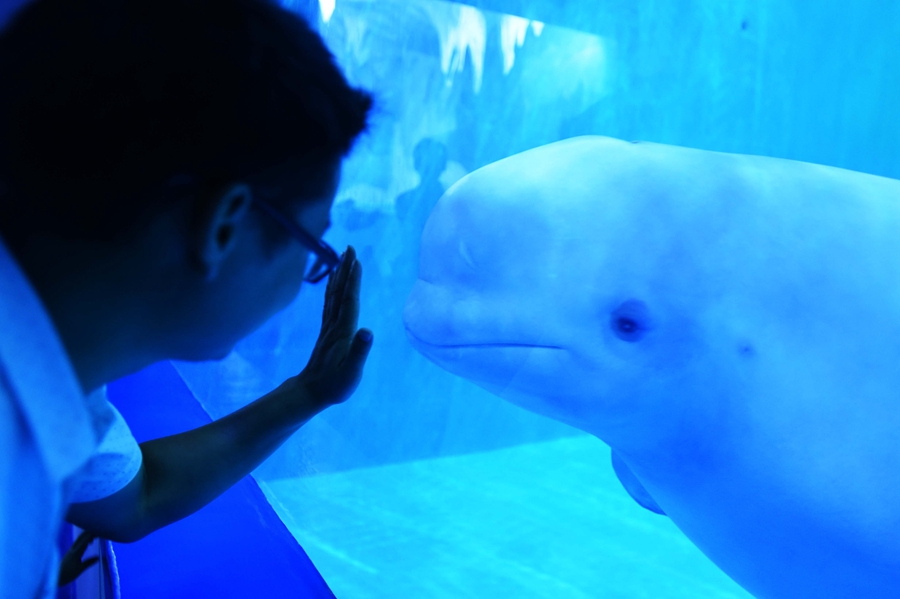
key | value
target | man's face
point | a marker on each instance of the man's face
(264, 272)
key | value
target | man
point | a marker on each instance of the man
(167, 168)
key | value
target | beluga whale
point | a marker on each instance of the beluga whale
(729, 325)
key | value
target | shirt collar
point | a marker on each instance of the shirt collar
(41, 377)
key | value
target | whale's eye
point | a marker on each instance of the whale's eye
(627, 325)
(630, 321)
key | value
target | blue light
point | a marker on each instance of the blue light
(424, 484)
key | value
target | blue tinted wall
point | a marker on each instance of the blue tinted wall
(803, 79)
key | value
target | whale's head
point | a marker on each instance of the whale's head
(727, 324)
(565, 285)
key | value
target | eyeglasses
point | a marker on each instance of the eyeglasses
(326, 258)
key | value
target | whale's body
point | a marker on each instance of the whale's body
(729, 325)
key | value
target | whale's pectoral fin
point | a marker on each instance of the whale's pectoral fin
(634, 486)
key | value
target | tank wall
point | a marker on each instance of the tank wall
(801, 79)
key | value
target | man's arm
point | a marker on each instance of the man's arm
(182, 473)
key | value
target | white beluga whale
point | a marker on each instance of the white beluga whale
(729, 325)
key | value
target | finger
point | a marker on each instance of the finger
(329, 291)
(349, 308)
(86, 564)
(340, 281)
(81, 543)
(344, 270)
(359, 351)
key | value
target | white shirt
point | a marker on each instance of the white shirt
(48, 432)
(116, 461)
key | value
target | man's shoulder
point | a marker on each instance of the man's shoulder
(37, 377)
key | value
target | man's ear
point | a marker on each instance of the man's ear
(218, 227)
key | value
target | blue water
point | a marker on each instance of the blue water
(422, 484)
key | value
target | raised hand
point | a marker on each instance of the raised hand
(335, 367)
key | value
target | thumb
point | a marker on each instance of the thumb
(87, 564)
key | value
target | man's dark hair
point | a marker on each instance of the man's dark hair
(102, 102)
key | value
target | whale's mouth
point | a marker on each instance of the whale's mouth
(418, 341)
(493, 365)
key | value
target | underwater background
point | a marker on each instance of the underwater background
(422, 484)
